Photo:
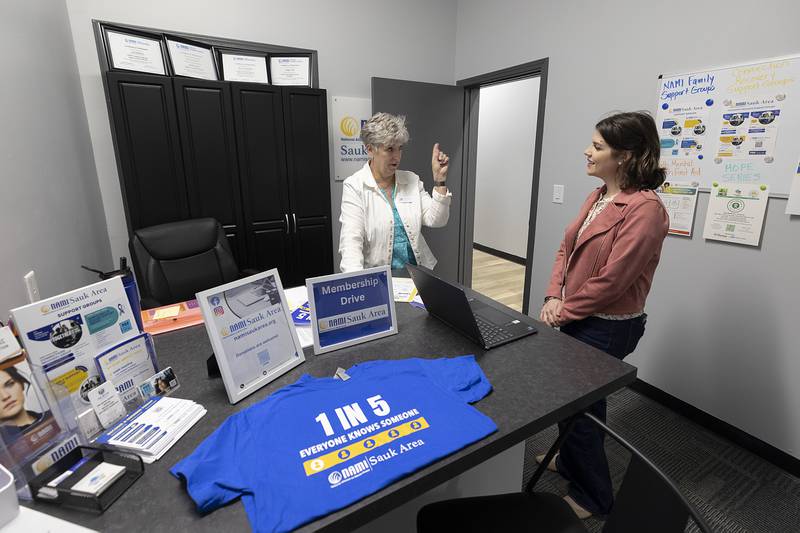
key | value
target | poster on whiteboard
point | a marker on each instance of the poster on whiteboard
(350, 154)
(735, 125)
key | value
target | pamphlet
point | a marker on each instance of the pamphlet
(154, 428)
(107, 404)
(128, 365)
(9, 347)
(63, 334)
(162, 384)
(27, 426)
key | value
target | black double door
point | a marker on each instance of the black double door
(255, 157)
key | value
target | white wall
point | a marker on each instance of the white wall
(507, 117)
(722, 332)
(50, 210)
(412, 40)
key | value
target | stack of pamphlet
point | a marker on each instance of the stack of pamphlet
(154, 427)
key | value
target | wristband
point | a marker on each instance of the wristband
(439, 183)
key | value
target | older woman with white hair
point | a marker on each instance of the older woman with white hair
(384, 209)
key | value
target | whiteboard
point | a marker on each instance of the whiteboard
(737, 125)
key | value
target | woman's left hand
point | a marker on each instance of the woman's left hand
(551, 312)
(440, 163)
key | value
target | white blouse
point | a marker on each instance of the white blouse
(367, 234)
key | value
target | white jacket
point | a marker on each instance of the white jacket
(367, 234)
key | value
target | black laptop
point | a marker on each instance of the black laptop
(479, 321)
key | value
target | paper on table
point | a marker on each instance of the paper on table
(295, 297)
(167, 312)
(403, 289)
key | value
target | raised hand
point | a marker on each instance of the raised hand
(440, 163)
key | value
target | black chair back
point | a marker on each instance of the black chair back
(647, 500)
(174, 261)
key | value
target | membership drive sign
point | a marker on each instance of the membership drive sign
(348, 309)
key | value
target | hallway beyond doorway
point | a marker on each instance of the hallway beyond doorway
(497, 278)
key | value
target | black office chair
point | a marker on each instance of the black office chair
(178, 259)
(648, 501)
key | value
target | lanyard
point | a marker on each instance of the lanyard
(394, 193)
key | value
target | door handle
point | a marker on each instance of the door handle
(286, 218)
(294, 221)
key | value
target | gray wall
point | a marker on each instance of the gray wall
(50, 208)
(723, 318)
(504, 168)
(413, 40)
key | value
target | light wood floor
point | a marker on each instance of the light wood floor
(498, 279)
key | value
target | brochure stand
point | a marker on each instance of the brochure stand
(63, 494)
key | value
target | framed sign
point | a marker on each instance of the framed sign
(244, 66)
(191, 60)
(250, 328)
(290, 70)
(139, 53)
(348, 309)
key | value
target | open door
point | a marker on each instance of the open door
(435, 113)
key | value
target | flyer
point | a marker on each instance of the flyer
(63, 334)
(251, 330)
(680, 201)
(128, 365)
(736, 214)
(683, 131)
(27, 425)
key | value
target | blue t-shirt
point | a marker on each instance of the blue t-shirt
(321, 444)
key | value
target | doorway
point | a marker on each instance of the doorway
(503, 132)
(450, 115)
(507, 124)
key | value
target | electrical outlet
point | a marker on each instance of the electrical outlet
(558, 194)
(32, 287)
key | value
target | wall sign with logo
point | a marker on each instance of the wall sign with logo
(352, 308)
(350, 154)
(250, 327)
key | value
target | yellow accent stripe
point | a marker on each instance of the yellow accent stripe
(324, 462)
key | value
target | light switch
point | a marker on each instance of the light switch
(558, 194)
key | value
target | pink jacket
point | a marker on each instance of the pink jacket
(614, 260)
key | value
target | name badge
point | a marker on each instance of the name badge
(405, 200)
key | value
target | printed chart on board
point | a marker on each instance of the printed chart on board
(737, 127)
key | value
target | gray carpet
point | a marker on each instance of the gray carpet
(735, 490)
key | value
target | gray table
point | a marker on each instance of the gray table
(537, 381)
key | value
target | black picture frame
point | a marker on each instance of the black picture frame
(157, 37)
(220, 51)
(309, 74)
(169, 37)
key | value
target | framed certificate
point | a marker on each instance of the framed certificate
(192, 60)
(352, 308)
(250, 328)
(129, 51)
(244, 66)
(290, 69)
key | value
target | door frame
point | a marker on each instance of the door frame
(472, 88)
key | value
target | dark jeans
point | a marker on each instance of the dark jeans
(582, 458)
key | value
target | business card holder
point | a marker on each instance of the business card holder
(88, 458)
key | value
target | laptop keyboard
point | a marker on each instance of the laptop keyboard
(491, 333)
